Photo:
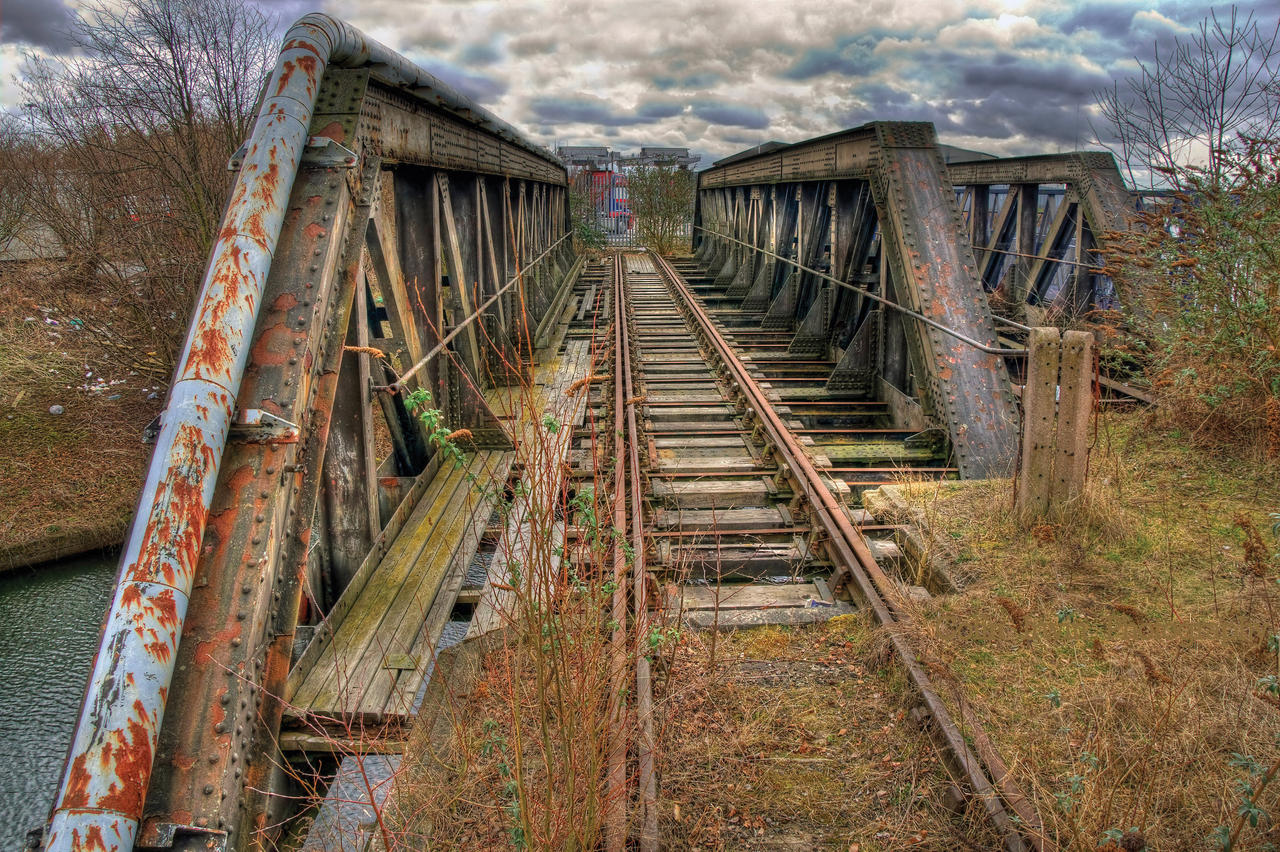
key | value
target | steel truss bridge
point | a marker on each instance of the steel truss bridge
(387, 237)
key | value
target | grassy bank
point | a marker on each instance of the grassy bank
(69, 481)
(1125, 660)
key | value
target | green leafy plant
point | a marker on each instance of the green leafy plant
(439, 435)
(1249, 789)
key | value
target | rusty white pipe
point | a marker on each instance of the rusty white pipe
(104, 783)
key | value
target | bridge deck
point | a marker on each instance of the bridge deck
(381, 650)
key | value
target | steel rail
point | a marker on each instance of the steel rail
(109, 764)
(876, 589)
(647, 778)
(398, 384)
(963, 338)
(615, 823)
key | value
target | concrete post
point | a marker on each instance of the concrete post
(1056, 403)
(1039, 417)
(1075, 404)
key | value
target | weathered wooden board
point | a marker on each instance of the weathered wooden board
(382, 650)
(746, 596)
(519, 537)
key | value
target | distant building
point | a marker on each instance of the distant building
(679, 157)
(600, 175)
(599, 158)
(590, 157)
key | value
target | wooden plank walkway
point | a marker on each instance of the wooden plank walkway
(370, 658)
(520, 541)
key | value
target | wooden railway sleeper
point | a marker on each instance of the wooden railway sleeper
(849, 552)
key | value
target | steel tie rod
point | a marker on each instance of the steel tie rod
(963, 338)
(472, 317)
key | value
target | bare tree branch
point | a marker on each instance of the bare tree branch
(1190, 106)
(130, 137)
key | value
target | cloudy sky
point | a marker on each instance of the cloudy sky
(1005, 76)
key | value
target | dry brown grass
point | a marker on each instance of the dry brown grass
(463, 793)
(798, 740)
(69, 478)
(522, 760)
(1139, 669)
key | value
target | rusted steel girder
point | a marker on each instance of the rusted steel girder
(1023, 261)
(101, 798)
(925, 264)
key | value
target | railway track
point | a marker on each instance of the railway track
(737, 482)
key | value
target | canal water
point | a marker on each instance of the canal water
(50, 620)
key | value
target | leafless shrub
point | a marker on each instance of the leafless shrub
(128, 147)
(1191, 102)
(661, 199)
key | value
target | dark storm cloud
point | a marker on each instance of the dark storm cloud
(38, 23)
(531, 45)
(675, 69)
(734, 115)
(1063, 125)
(696, 80)
(851, 56)
(655, 109)
(586, 109)
(581, 109)
(1105, 19)
(1033, 80)
(478, 87)
(485, 53)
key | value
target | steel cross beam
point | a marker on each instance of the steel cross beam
(376, 219)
